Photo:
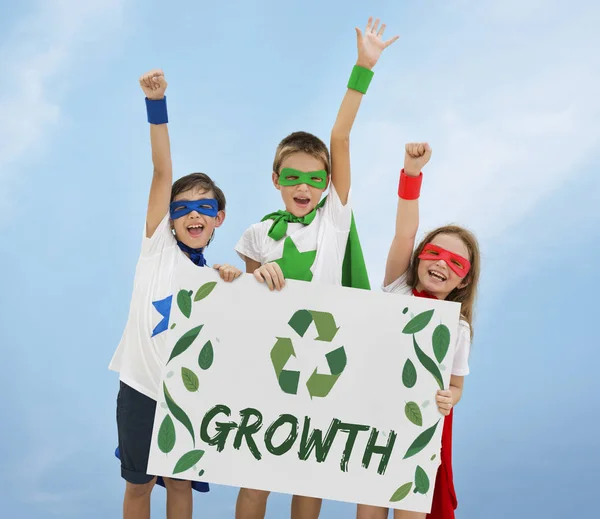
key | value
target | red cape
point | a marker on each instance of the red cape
(444, 497)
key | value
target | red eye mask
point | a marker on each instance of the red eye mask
(458, 264)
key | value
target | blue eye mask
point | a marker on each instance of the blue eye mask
(205, 206)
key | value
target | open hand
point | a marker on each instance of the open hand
(370, 45)
(443, 399)
(153, 84)
(228, 272)
(417, 155)
(271, 274)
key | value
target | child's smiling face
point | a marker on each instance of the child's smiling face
(435, 276)
(195, 229)
(300, 199)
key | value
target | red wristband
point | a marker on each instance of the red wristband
(409, 187)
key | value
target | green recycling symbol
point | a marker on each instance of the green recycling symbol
(318, 384)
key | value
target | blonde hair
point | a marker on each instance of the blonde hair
(467, 294)
(301, 142)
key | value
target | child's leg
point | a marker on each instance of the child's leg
(306, 507)
(251, 504)
(371, 512)
(403, 514)
(376, 512)
(136, 504)
(135, 419)
(179, 498)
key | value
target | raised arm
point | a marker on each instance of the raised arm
(370, 46)
(154, 86)
(407, 214)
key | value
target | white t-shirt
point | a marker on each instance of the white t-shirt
(460, 365)
(327, 235)
(140, 356)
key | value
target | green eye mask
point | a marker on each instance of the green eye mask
(293, 177)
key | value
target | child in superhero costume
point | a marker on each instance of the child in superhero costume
(180, 223)
(445, 265)
(313, 239)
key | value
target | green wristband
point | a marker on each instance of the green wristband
(360, 79)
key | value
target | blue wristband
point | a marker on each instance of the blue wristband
(157, 110)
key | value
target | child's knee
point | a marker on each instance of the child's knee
(138, 491)
(405, 514)
(371, 512)
(177, 486)
(304, 507)
(254, 496)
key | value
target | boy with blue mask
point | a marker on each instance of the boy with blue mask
(313, 239)
(180, 223)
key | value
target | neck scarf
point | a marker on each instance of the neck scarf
(425, 294)
(196, 255)
(282, 218)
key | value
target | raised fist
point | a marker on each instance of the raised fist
(153, 84)
(417, 155)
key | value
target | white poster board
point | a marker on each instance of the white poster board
(317, 391)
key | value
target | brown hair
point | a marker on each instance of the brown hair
(198, 181)
(301, 142)
(467, 294)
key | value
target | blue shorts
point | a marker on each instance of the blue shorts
(135, 420)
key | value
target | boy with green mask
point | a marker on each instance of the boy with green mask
(313, 239)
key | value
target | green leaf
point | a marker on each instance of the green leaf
(184, 342)
(187, 461)
(166, 435)
(432, 457)
(179, 413)
(173, 325)
(405, 310)
(421, 442)
(418, 322)
(428, 363)
(421, 481)
(413, 413)
(205, 359)
(190, 380)
(401, 493)
(184, 301)
(441, 341)
(205, 290)
(201, 473)
(409, 374)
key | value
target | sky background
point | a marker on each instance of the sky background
(505, 92)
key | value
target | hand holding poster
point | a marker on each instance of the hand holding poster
(315, 390)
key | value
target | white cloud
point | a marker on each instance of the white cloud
(38, 60)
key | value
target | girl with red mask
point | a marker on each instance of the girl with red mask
(445, 265)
